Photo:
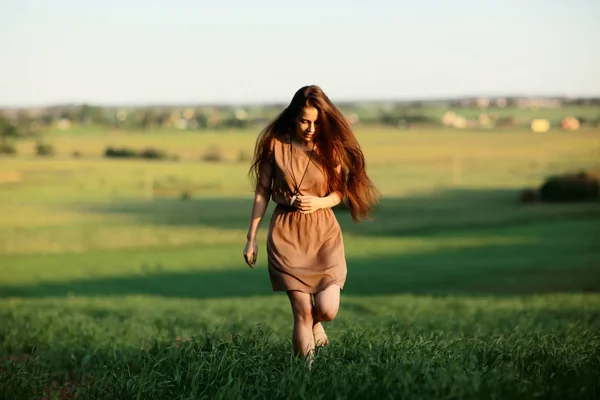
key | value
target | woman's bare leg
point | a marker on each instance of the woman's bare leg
(302, 336)
(326, 306)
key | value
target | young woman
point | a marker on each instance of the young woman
(308, 161)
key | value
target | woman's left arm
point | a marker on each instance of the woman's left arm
(331, 200)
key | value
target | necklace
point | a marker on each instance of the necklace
(297, 186)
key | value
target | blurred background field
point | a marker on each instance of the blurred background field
(105, 253)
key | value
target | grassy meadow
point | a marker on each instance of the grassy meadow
(125, 279)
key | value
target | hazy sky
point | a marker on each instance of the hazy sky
(147, 51)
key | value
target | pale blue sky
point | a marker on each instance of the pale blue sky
(147, 51)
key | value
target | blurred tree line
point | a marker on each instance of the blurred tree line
(36, 122)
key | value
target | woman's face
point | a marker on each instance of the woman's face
(306, 124)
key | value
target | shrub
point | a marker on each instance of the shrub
(153, 154)
(44, 149)
(120, 153)
(76, 154)
(213, 154)
(406, 120)
(7, 148)
(570, 187)
(148, 153)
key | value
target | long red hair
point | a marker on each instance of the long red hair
(335, 144)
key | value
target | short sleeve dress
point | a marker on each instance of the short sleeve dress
(305, 252)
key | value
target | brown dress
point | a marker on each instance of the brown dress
(305, 252)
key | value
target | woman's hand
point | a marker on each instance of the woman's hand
(308, 204)
(251, 253)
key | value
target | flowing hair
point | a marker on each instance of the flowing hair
(336, 144)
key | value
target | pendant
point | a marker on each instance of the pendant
(294, 197)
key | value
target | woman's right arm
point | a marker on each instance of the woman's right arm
(261, 201)
(258, 212)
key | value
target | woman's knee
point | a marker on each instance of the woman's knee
(303, 313)
(327, 303)
(302, 307)
(327, 313)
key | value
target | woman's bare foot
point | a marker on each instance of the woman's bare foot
(319, 335)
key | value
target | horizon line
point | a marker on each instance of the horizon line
(231, 103)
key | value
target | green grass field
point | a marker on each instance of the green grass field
(125, 279)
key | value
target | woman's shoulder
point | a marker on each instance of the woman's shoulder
(282, 138)
(277, 141)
